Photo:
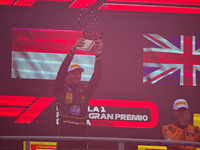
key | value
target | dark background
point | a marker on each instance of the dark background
(122, 63)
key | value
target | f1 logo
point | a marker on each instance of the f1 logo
(24, 108)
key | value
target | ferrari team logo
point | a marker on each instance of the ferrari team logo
(69, 97)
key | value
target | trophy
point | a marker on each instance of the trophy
(90, 28)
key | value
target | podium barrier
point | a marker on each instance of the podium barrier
(121, 141)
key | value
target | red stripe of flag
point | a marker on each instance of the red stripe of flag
(160, 75)
(45, 40)
(171, 58)
(188, 68)
(157, 41)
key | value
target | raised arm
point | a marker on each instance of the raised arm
(96, 77)
(62, 73)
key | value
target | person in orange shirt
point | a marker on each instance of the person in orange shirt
(181, 129)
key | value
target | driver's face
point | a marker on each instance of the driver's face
(74, 77)
(182, 116)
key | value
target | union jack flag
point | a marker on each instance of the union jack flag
(166, 61)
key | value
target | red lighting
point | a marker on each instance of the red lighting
(10, 111)
(82, 3)
(16, 100)
(31, 2)
(180, 2)
(35, 110)
(6, 2)
(26, 108)
(75, 4)
(149, 8)
(126, 103)
(121, 5)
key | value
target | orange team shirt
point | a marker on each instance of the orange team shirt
(173, 132)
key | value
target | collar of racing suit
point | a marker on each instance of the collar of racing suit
(179, 125)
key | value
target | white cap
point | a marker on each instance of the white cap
(75, 66)
(180, 103)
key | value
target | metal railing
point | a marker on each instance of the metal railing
(121, 141)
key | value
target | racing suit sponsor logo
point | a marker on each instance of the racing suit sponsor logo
(82, 99)
(190, 134)
(75, 110)
(69, 97)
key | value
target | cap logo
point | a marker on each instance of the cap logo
(75, 66)
(181, 103)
